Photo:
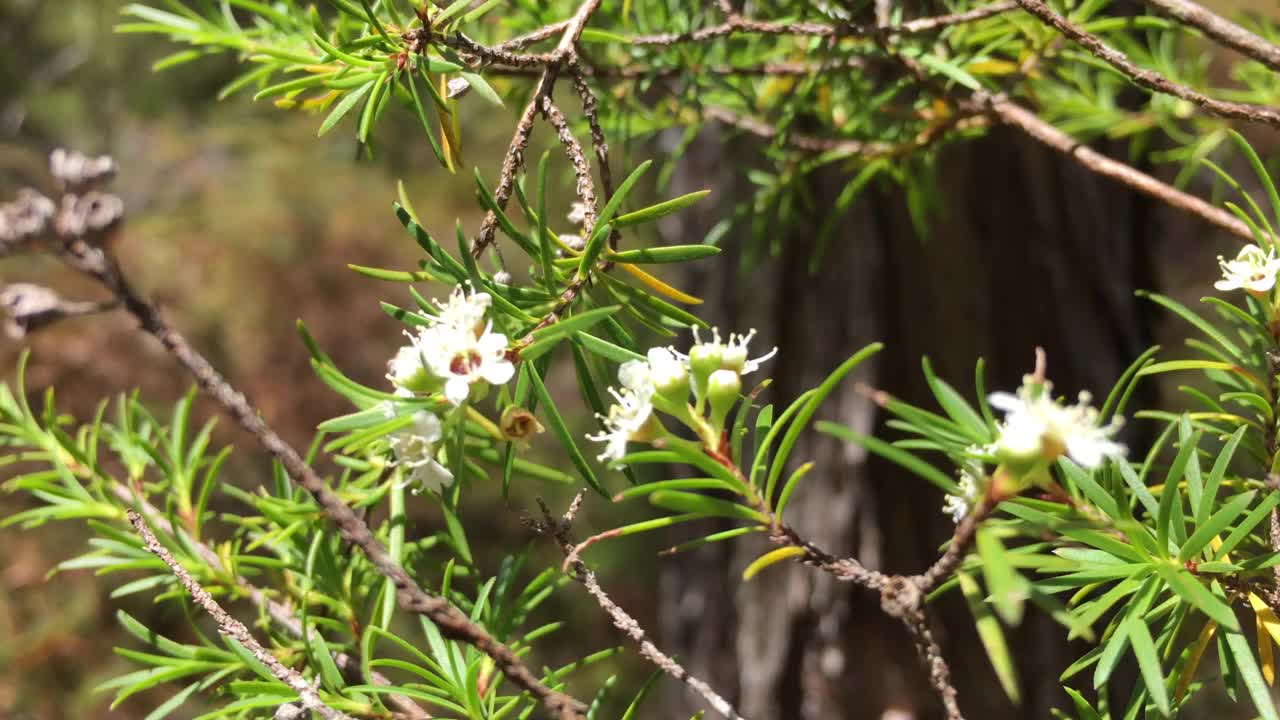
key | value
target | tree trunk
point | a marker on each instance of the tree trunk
(1029, 250)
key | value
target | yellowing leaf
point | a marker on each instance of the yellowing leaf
(992, 67)
(1266, 616)
(770, 558)
(1266, 655)
(660, 287)
(1193, 660)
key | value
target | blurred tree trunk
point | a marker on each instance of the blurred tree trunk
(1029, 250)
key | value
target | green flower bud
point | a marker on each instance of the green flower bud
(723, 389)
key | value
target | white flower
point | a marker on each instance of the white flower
(1254, 270)
(1035, 424)
(662, 368)
(463, 310)
(573, 242)
(415, 448)
(958, 506)
(577, 214)
(628, 416)
(407, 369)
(461, 357)
(460, 348)
(625, 421)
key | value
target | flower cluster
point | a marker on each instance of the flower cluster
(455, 352)
(1038, 429)
(712, 371)
(1254, 270)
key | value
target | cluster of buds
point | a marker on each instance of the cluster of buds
(698, 390)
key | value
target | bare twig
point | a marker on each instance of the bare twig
(1016, 116)
(278, 612)
(559, 529)
(233, 628)
(737, 24)
(903, 602)
(512, 162)
(958, 547)
(1148, 79)
(545, 32)
(586, 186)
(874, 149)
(565, 55)
(1220, 29)
(598, 143)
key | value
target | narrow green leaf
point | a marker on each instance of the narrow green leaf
(667, 254)
(662, 209)
(558, 427)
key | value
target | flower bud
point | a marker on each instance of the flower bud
(723, 389)
(672, 382)
(407, 370)
(703, 361)
(734, 358)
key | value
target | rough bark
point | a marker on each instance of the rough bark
(1027, 250)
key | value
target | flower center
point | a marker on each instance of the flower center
(466, 363)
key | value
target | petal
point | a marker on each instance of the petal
(633, 374)
(497, 373)
(1087, 452)
(492, 343)
(1008, 402)
(427, 426)
(456, 390)
(433, 476)
(1226, 284)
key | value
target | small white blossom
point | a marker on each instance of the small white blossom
(459, 347)
(573, 242)
(661, 368)
(1035, 423)
(626, 419)
(958, 506)
(406, 367)
(415, 450)
(1253, 270)
(460, 358)
(577, 214)
(463, 310)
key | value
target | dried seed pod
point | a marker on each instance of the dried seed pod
(76, 172)
(519, 424)
(91, 216)
(28, 307)
(25, 221)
